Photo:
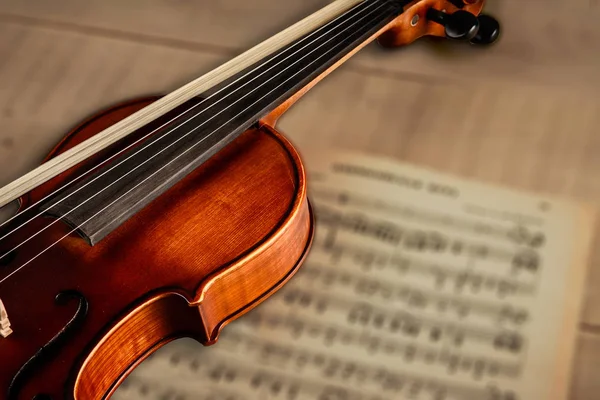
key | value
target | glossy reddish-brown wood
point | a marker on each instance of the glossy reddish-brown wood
(413, 24)
(207, 251)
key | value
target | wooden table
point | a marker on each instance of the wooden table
(523, 113)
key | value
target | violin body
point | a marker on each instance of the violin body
(241, 228)
(210, 237)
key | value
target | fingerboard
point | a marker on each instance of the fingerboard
(106, 199)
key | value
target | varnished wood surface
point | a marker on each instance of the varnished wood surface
(524, 113)
(406, 29)
(171, 100)
(240, 230)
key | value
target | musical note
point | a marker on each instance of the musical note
(328, 216)
(408, 351)
(457, 248)
(526, 261)
(387, 232)
(520, 234)
(412, 240)
(425, 241)
(408, 325)
(334, 368)
(138, 388)
(460, 281)
(365, 259)
(523, 236)
(494, 393)
(440, 275)
(537, 240)
(416, 240)
(517, 316)
(360, 313)
(357, 223)
(416, 298)
(509, 341)
(437, 242)
(333, 393)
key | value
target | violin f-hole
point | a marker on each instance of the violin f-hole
(50, 349)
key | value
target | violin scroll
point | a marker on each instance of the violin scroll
(459, 20)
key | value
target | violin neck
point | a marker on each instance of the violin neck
(307, 60)
(316, 24)
(208, 126)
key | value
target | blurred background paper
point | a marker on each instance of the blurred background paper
(522, 114)
(418, 286)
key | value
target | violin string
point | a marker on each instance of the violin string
(167, 133)
(143, 163)
(173, 160)
(155, 140)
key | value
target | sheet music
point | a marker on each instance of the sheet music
(419, 286)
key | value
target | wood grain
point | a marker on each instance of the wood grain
(168, 272)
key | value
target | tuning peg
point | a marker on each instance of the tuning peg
(489, 30)
(460, 25)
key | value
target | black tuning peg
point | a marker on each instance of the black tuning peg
(460, 25)
(489, 30)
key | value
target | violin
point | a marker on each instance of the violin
(168, 217)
